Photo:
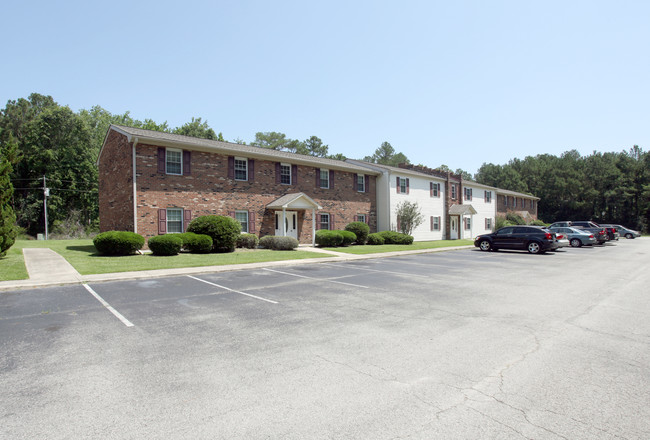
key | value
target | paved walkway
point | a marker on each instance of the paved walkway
(47, 268)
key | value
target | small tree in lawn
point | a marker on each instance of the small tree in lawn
(8, 154)
(409, 217)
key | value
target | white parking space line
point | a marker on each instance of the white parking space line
(232, 290)
(117, 314)
(317, 279)
(381, 271)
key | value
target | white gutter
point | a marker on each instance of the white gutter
(135, 190)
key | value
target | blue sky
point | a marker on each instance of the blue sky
(457, 83)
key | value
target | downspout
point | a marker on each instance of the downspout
(135, 190)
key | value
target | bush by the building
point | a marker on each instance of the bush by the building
(393, 237)
(375, 239)
(247, 241)
(277, 243)
(223, 231)
(348, 237)
(165, 245)
(327, 238)
(118, 243)
(360, 229)
(196, 243)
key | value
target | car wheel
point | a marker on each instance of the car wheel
(534, 247)
(484, 245)
(575, 242)
(628, 236)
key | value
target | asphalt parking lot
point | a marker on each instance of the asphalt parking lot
(454, 345)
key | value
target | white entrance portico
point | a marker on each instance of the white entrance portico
(286, 214)
(457, 214)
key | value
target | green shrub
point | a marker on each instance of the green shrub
(247, 241)
(393, 237)
(348, 237)
(118, 243)
(165, 245)
(327, 238)
(515, 218)
(223, 231)
(278, 243)
(360, 229)
(538, 223)
(375, 239)
(196, 243)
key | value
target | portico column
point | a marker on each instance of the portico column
(284, 221)
(313, 227)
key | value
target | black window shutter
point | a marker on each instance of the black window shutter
(231, 167)
(332, 222)
(231, 214)
(331, 179)
(397, 179)
(278, 179)
(187, 218)
(251, 222)
(407, 185)
(251, 170)
(187, 162)
(161, 160)
(317, 181)
(294, 174)
(355, 185)
(432, 223)
(318, 220)
(367, 183)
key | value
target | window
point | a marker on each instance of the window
(324, 178)
(402, 185)
(514, 202)
(468, 223)
(488, 223)
(453, 192)
(174, 162)
(505, 200)
(361, 218)
(468, 193)
(174, 220)
(242, 218)
(435, 223)
(361, 183)
(324, 221)
(435, 189)
(285, 174)
(241, 168)
(488, 196)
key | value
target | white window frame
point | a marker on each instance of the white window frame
(284, 166)
(327, 178)
(436, 189)
(488, 196)
(361, 183)
(454, 191)
(436, 223)
(402, 180)
(488, 223)
(328, 223)
(180, 161)
(174, 222)
(468, 223)
(468, 194)
(243, 222)
(245, 170)
(361, 218)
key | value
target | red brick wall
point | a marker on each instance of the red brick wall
(523, 206)
(116, 184)
(208, 191)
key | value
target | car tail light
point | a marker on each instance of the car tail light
(559, 236)
(591, 235)
(601, 232)
(549, 236)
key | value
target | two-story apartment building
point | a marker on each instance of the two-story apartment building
(523, 204)
(155, 183)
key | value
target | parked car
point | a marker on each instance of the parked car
(529, 238)
(599, 232)
(561, 240)
(577, 237)
(565, 224)
(609, 231)
(625, 232)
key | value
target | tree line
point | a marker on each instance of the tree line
(39, 137)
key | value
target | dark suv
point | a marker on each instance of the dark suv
(527, 238)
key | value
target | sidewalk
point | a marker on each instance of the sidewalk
(47, 268)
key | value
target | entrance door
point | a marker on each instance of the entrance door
(454, 228)
(290, 223)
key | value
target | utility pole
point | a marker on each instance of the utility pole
(46, 193)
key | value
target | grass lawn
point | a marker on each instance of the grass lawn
(417, 245)
(12, 265)
(83, 257)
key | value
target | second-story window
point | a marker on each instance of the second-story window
(241, 168)
(402, 185)
(174, 161)
(453, 192)
(468, 193)
(285, 174)
(324, 178)
(361, 183)
(488, 196)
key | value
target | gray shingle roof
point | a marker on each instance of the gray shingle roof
(192, 143)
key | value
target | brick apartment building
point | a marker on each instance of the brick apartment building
(155, 183)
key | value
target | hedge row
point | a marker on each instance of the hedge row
(278, 243)
(118, 243)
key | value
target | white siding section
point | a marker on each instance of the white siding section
(383, 198)
(419, 192)
(484, 210)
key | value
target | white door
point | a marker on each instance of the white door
(290, 224)
(454, 228)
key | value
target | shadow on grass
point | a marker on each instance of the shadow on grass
(90, 250)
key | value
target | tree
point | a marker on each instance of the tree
(271, 140)
(198, 129)
(409, 216)
(312, 147)
(386, 155)
(8, 152)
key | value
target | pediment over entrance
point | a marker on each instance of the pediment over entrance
(462, 210)
(294, 201)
